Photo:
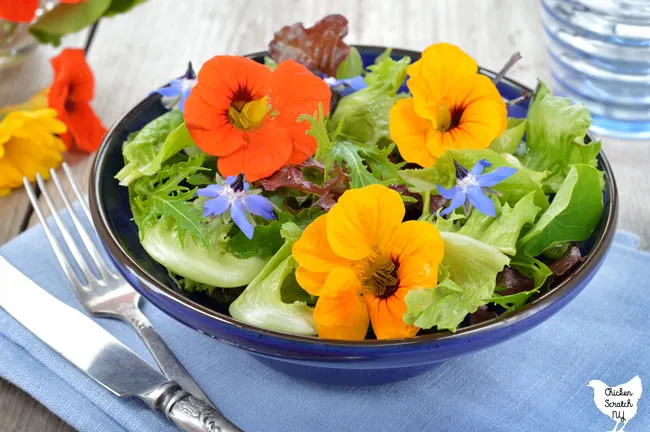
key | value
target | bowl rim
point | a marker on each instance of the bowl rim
(564, 287)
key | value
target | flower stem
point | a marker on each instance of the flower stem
(504, 70)
(426, 204)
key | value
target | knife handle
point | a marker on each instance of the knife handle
(187, 412)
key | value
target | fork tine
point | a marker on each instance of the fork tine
(56, 247)
(100, 264)
(69, 241)
(77, 191)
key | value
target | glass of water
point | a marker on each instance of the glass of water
(599, 54)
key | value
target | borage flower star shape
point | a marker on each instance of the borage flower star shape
(234, 196)
(247, 115)
(471, 188)
(362, 260)
(453, 107)
(178, 90)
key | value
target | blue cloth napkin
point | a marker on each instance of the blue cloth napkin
(537, 381)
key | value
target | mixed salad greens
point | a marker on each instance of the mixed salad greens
(232, 236)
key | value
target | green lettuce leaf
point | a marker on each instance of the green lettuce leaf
(573, 214)
(152, 145)
(265, 243)
(350, 67)
(261, 302)
(533, 268)
(67, 18)
(472, 267)
(174, 232)
(503, 231)
(510, 139)
(334, 149)
(365, 114)
(443, 173)
(555, 134)
(189, 258)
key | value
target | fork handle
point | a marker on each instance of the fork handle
(163, 355)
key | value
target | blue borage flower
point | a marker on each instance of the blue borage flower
(346, 86)
(179, 89)
(234, 196)
(471, 187)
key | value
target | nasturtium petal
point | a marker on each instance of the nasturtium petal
(417, 238)
(341, 312)
(363, 220)
(386, 316)
(313, 251)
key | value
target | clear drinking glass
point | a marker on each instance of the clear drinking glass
(15, 43)
(599, 54)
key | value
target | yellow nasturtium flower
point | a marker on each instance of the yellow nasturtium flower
(29, 145)
(362, 260)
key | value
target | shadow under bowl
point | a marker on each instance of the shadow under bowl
(312, 358)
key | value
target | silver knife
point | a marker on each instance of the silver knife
(99, 355)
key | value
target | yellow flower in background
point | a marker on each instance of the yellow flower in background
(362, 260)
(453, 107)
(29, 145)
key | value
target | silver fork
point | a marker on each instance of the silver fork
(104, 292)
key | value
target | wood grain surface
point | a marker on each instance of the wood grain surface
(137, 52)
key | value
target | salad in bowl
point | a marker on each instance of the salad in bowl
(310, 195)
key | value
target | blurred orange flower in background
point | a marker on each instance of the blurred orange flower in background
(247, 115)
(453, 107)
(70, 94)
(24, 10)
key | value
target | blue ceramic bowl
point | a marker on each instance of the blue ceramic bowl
(349, 363)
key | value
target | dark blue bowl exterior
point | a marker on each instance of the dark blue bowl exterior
(369, 362)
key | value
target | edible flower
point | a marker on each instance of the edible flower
(346, 86)
(70, 94)
(29, 145)
(234, 196)
(471, 187)
(24, 10)
(179, 89)
(362, 260)
(453, 106)
(247, 115)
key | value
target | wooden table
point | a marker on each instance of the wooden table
(135, 53)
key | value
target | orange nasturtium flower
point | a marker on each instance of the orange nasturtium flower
(72, 90)
(23, 10)
(247, 115)
(453, 107)
(362, 260)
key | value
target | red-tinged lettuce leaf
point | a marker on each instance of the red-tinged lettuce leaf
(566, 263)
(512, 281)
(292, 177)
(320, 48)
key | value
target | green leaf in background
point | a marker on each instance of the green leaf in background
(351, 155)
(351, 66)
(555, 134)
(152, 145)
(67, 18)
(261, 302)
(365, 113)
(573, 214)
(503, 231)
(510, 139)
(384, 55)
(121, 6)
(292, 292)
(422, 180)
(472, 267)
